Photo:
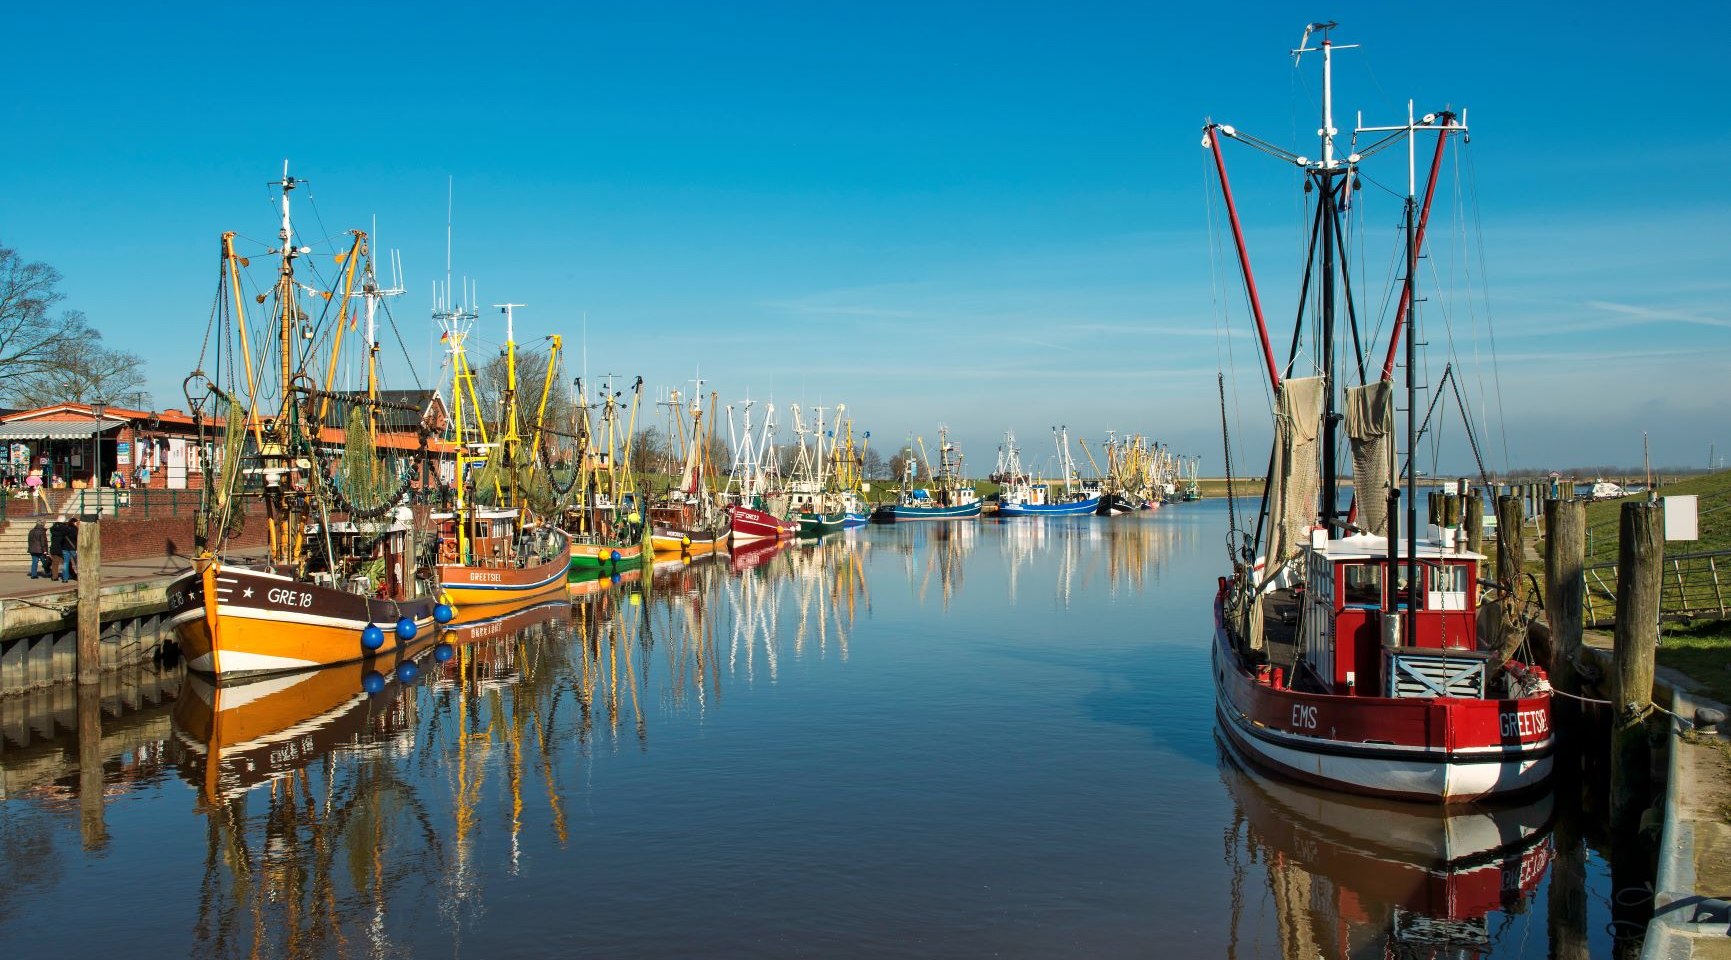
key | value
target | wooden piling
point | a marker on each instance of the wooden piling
(1505, 633)
(1476, 522)
(92, 828)
(1640, 567)
(89, 601)
(1565, 587)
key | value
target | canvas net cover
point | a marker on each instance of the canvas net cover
(1370, 429)
(1295, 480)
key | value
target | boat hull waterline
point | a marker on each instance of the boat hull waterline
(897, 513)
(482, 592)
(1075, 508)
(1443, 750)
(234, 622)
(749, 525)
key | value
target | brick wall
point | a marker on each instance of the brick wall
(143, 538)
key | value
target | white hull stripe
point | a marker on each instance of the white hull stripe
(1438, 778)
(557, 574)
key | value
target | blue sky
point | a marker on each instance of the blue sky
(991, 215)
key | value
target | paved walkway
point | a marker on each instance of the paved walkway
(17, 583)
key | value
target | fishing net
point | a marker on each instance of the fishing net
(1294, 482)
(365, 480)
(218, 515)
(1370, 429)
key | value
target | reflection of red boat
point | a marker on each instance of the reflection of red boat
(752, 555)
(751, 525)
(1396, 872)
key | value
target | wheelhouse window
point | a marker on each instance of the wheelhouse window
(1449, 586)
(1362, 584)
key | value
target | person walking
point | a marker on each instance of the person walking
(37, 497)
(63, 546)
(39, 551)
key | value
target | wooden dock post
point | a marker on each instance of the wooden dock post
(89, 601)
(1501, 624)
(1565, 587)
(91, 826)
(1475, 514)
(1640, 567)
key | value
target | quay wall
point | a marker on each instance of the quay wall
(144, 538)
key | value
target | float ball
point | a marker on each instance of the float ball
(685, 541)
(614, 578)
(372, 637)
(373, 682)
(443, 613)
(406, 628)
(443, 652)
(615, 556)
(408, 672)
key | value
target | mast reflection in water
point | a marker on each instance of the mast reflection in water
(914, 740)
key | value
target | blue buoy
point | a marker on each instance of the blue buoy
(615, 578)
(373, 682)
(372, 637)
(406, 628)
(615, 556)
(407, 672)
(443, 613)
(443, 652)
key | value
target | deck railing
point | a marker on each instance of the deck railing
(1692, 587)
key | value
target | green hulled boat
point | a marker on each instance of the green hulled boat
(812, 526)
(605, 556)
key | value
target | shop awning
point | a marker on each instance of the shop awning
(53, 429)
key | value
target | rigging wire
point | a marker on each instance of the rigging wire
(1490, 328)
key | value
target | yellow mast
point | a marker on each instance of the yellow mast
(546, 392)
(349, 260)
(232, 263)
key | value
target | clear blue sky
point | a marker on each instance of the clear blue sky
(993, 215)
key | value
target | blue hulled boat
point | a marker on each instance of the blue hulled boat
(952, 498)
(1022, 496)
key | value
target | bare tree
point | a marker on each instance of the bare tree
(901, 461)
(650, 452)
(85, 372)
(531, 378)
(35, 335)
(873, 466)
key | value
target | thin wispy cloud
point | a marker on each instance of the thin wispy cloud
(1634, 313)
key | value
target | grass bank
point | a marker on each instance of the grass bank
(1701, 650)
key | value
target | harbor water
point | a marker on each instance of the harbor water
(993, 738)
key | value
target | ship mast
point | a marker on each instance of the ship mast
(1328, 176)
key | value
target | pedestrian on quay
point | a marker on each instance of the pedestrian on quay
(63, 545)
(39, 552)
(37, 497)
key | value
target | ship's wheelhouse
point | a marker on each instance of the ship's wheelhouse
(1354, 626)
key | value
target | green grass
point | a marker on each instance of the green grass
(1714, 506)
(1700, 650)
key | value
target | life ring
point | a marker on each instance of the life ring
(448, 551)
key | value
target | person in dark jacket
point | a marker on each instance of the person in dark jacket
(63, 544)
(39, 552)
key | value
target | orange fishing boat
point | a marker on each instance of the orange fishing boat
(342, 579)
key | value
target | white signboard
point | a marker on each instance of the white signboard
(1681, 520)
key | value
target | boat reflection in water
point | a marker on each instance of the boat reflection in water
(341, 825)
(1358, 877)
(234, 737)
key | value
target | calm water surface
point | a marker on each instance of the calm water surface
(980, 739)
